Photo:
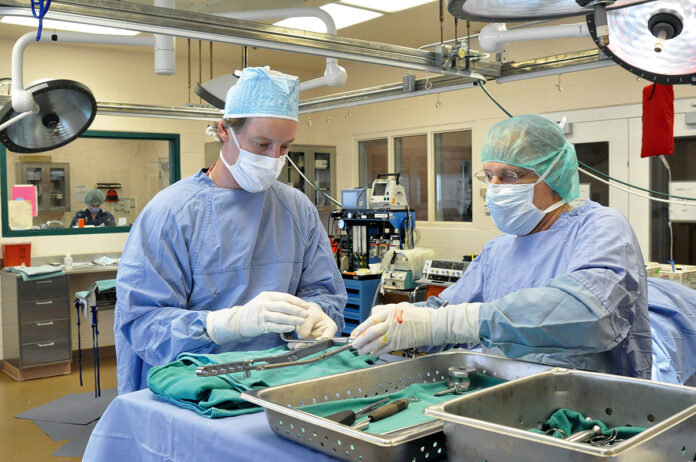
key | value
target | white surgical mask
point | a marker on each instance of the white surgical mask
(253, 172)
(512, 205)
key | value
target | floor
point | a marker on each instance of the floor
(21, 439)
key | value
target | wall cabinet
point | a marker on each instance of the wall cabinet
(318, 163)
(36, 326)
(52, 181)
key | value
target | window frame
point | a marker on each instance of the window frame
(174, 176)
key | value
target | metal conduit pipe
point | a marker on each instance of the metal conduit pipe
(334, 75)
(165, 47)
(494, 37)
(22, 100)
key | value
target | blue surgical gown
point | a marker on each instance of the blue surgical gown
(197, 248)
(673, 322)
(573, 296)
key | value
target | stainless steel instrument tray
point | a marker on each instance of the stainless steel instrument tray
(492, 424)
(423, 442)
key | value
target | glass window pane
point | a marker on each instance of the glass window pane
(373, 160)
(596, 155)
(411, 160)
(322, 177)
(294, 179)
(453, 176)
(134, 168)
(683, 167)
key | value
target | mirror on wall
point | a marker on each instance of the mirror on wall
(99, 183)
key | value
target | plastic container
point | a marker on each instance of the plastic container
(16, 254)
(67, 261)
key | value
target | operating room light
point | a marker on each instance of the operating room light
(343, 16)
(49, 24)
(389, 6)
(65, 110)
(656, 40)
(523, 10)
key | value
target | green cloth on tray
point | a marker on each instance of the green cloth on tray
(219, 396)
(412, 415)
(36, 273)
(101, 286)
(570, 422)
(106, 284)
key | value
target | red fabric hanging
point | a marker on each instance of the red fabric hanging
(658, 120)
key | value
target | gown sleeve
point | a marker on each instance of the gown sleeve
(320, 281)
(591, 308)
(153, 285)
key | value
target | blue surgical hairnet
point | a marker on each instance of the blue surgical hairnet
(261, 92)
(533, 142)
(94, 197)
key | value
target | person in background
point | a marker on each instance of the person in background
(228, 258)
(93, 215)
(561, 287)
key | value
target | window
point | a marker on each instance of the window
(453, 176)
(411, 160)
(132, 166)
(683, 168)
(373, 160)
(596, 155)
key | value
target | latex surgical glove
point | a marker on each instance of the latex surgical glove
(316, 326)
(395, 327)
(267, 312)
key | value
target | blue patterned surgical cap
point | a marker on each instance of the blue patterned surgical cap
(261, 92)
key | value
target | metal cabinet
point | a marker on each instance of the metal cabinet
(52, 181)
(36, 326)
(318, 163)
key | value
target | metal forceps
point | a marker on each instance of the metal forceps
(293, 358)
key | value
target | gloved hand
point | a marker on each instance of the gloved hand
(267, 312)
(395, 327)
(318, 325)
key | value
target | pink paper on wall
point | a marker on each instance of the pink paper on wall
(26, 192)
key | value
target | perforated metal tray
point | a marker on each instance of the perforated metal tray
(492, 424)
(423, 442)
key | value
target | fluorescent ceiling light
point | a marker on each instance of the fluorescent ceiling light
(49, 24)
(389, 6)
(343, 16)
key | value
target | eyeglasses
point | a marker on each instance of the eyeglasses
(507, 176)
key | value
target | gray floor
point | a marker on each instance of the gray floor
(23, 440)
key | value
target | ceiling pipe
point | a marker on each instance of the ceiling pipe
(334, 75)
(22, 100)
(165, 47)
(494, 37)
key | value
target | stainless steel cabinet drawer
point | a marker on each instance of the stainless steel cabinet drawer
(41, 331)
(43, 310)
(46, 352)
(44, 289)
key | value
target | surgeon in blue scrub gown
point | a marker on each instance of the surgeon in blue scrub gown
(561, 287)
(228, 258)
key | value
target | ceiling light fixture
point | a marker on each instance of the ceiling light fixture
(655, 41)
(388, 6)
(65, 109)
(343, 16)
(67, 26)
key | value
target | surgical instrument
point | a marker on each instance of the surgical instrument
(459, 380)
(348, 416)
(585, 435)
(385, 411)
(272, 362)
